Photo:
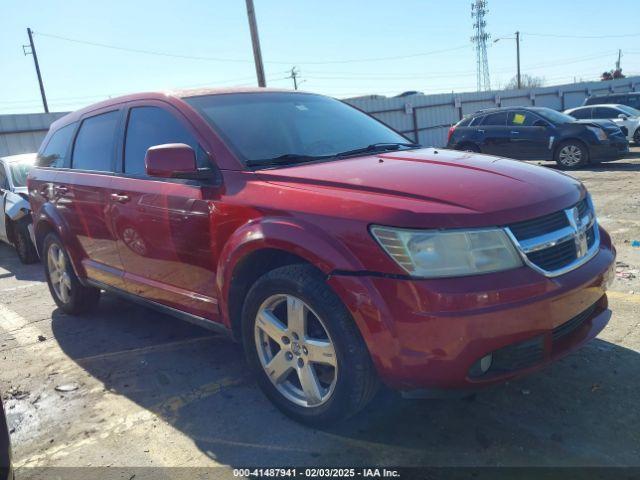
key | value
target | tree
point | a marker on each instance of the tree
(611, 75)
(526, 81)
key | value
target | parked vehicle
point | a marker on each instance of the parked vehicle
(15, 212)
(631, 99)
(627, 118)
(337, 251)
(6, 469)
(537, 133)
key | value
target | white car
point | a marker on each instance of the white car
(15, 211)
(627, 118)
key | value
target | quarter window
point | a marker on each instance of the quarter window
(54, 154)
(94, 145)
(150, 126)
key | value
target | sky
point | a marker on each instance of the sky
(341, 48)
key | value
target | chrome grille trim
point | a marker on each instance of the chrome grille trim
(581, 220)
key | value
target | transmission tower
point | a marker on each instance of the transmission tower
(479, 38)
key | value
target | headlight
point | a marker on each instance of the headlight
(438, 253)
(599, 132)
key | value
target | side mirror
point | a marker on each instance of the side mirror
(623, 116)
(170, 160)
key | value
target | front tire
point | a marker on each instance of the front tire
(636, 136)
(25, 248)
(304, 347)
(69, 294)
(571, 154)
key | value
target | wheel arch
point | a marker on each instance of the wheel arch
(261, 246)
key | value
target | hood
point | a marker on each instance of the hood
(438, 188)
(607, 125)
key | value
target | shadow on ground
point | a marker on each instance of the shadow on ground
(581, 411)
(11, 267)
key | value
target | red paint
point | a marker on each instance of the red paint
(178, 244)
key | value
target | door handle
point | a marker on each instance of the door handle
(60, 190)
(118, 197)
(515, 132)
(480, 131)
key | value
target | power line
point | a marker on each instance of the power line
(236, 60)
(553, 35)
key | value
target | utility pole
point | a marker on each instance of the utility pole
(518, 58)
(294, 76)
(35, 61)
(255, 41)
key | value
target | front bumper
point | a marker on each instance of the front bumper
(428, 334)
(610, 150)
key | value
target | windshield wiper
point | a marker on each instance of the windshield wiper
(378, 147)
(286, 159)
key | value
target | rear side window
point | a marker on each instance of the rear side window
(94, 145)
(497, 119)
(54, 154)
(581, 114)
(150, 126)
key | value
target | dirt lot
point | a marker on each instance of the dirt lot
(147, 390)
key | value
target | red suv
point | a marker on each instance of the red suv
(336, 250)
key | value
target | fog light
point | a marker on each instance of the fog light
(485, 363)
(481, 366)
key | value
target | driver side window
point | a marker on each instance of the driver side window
(150, 126)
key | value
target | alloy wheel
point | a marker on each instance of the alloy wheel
(296, 350)
(58, 275)
(570, 155)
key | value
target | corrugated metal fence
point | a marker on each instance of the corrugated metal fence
(424, 118)
(24, 133)
(427, 118)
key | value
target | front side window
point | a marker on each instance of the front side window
(19, 172)
(94, 147)
(605, 112)
(260, 127)
(150, 126)
(496, 119)
(4, 184)
(553, 116)
(54, 154)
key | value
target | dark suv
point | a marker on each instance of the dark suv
(337, 251)
(536, 133)
(631, 99)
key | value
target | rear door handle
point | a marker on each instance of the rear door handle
(60, 190)
(515, 132)
(480, 131)
(119, 197)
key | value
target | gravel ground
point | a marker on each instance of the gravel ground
(127, 387)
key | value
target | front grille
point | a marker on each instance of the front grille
(539, 226)
(557, 240)
(554, 257)
(570, 326)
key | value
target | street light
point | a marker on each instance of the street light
(517, 39)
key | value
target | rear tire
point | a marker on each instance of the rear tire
(327, 348)
(69, 294)
(636, 136)
(571, 154)
(25, 248)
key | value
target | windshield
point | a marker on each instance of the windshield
(19, 172)
(553, 116)
(630, 110)
(261, 127)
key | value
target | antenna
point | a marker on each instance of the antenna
(479, 38)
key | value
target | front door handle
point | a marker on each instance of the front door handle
(60, 190)
(119, 197)
(515, 132)
(480, 131)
